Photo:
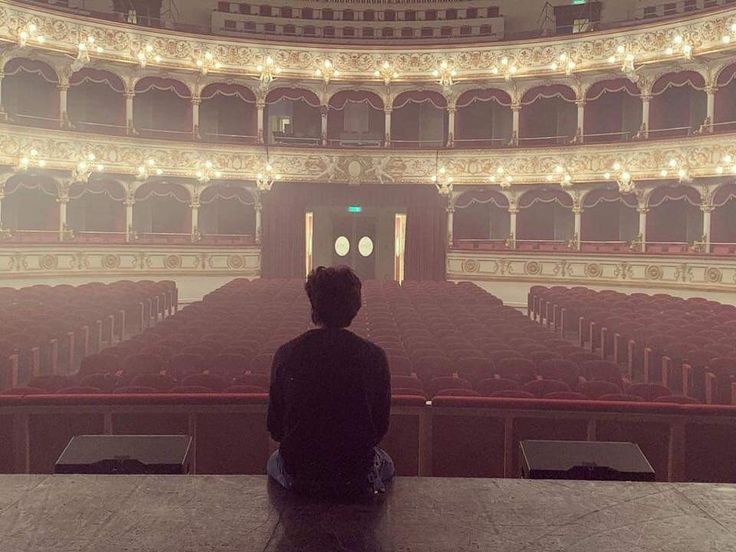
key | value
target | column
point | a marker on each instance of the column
(451, 125)
(643, 227)
(323, 111)
(707, 212)
(195, 219)
(259, 222)
(515, 112)
(2, 196)
(260, 107)
(513, 212)
(387, 126)
(63, 88)
(577, 238)
(129, 95)
(2, 109)
(129, 234)
(580, 133)
(63, 201)
(450, 224)
(646, 100)
(710, 111)
(196, 101)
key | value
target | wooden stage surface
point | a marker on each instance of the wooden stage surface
(248, 513)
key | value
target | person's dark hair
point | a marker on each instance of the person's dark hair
(335, 295)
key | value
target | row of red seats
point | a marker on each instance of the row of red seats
(688, 345)
(49, 329)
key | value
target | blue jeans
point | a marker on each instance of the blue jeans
(382, 472)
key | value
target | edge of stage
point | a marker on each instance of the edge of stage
(245, 513)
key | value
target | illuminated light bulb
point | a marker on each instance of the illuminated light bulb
(733, 27)
(620, 49)
(719, 170)
(626, 176)
(492, 178)
(612, 59)
(607, 175)
(513, 69)
(386, 65)
(669, 51)
(32, 27)
(82, 46)
(100, 168)
(259, 68)
(567, 178)
(435, 73)
(453, 73)
(733, 169)
(208, 56)
(549, 178)
(443, 64)
(41, 39)
(157, 58)
(200, 63)
(24, 35)
(687, 49)
(558, 169)
(434, 178)
(494, 70)
(682, 173)
(141, 56)
(663, 172)
(553, 66)
(563, 56)
(678, 39)
(726, 39)
(34, 152)
(617, 166)
(500, 170)
(149, 48)
(629, 57)
(728, 158)
(318, 72)
(208, 164)
(42, 163)
(509, 179)
(504, 61)
(159, 172)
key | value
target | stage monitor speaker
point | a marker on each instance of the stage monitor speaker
(584, 460)
(126, 455)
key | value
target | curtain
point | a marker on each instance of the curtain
(426, 236)
(283, 247)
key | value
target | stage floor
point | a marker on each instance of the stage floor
(246, 513)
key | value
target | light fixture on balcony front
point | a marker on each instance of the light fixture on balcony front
(623, 178)
(625, 58)
(386, 72)
(30, 160)
(206, 171)
(86, 167)
(562, 175)
(266, 178)
(30, 33)
(147, 54)
(148, 169)
(564, 63)
(326, 71)
(83, 49)
(207, 62)
(267, 71)
(678, 169)
(445, 74)
(726, 164)
(728, 37)
(506, 68)
(501, 177)
(680, 46)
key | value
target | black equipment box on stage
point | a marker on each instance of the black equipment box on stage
(584, 460)
(126, 454)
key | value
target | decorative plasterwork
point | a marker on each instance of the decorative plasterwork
(172, 51)
(44, 261)
(640, 271)
(122, 156)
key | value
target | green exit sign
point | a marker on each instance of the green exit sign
(355, 209)
(576, 2)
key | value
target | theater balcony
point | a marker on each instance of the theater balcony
(611, 147)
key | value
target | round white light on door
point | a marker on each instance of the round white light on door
(365, 246)
(342, 246)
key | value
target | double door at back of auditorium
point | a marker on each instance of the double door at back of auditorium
(354, 239)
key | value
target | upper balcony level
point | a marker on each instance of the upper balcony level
(401, 22)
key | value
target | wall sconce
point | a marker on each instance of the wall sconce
(678, 169)
(147, 170)
(727, 162)
(502, 178)
(206, 171)
(266, 178)
(267, 72)
(445, 74)
(206, 62)
(565, 62)
(562, 175)
(146, 55)
(680, 46)
(85, 168)
(29, 160)
(623, 178)
(386, 72)
(28, 33)
(507, 68)
(327, 71)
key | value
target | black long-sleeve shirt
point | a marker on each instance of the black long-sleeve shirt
(329, 404)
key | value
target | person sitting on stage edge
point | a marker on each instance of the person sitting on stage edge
(330, 398)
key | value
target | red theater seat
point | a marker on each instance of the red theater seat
(23, 391)
(248, 389)
(512, 394)
(648, 391)
(457, 392)
(160, 382)
(620, 397)
(134, 390)
(212, 383)
(79, 390)
(542, 387)
(595, 389)
(565, 396)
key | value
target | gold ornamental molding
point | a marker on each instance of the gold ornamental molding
(621, 51)
(703, 156)
(21, 261)
(636, 271)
